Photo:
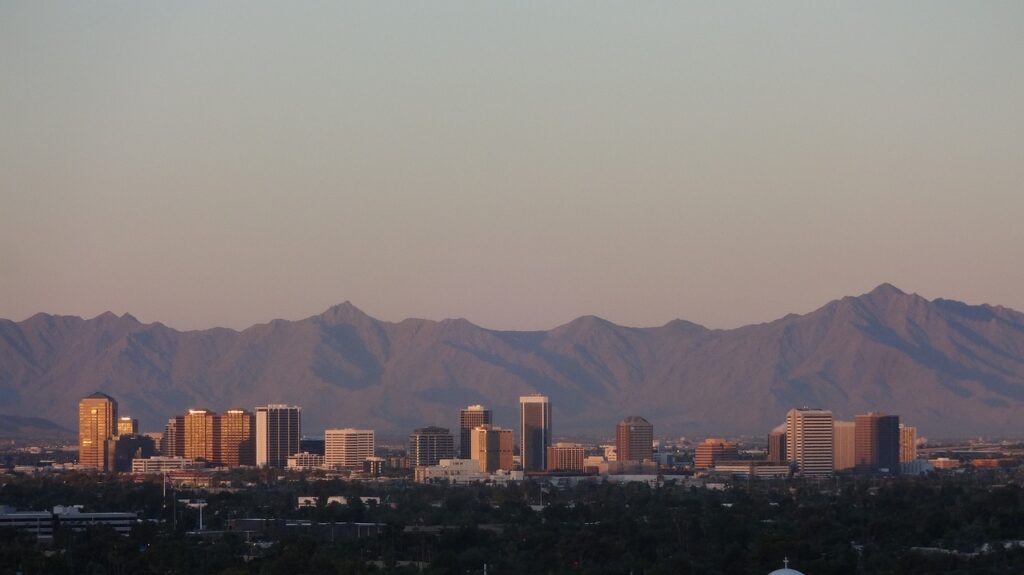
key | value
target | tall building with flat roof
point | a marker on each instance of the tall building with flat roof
(278, 431)
(634, 439)
(566, 457)
(844, 445)
(97, 417)
(810, 435)
(908, 443)
(237, 438)
(173, 442)
(127, 425)
(492, 447)
(347, 448)
(535, 431)
(712, 450)
(877, 443)
(202, 435)
(777, 444)
(429, 445)
(469, 418)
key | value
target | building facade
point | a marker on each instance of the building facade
(844, 444)
(237, 438)
(127, 425)
(347, 448)
(278, 431)
(97, 417)
(202, 435)
(877, 443)
(712, 450)
(429, 445)
(566, 457)
(535, 431)
(492, 447)
(908, 443)
(634, 439)
(469, 418)
(809, 440)
(777, 445)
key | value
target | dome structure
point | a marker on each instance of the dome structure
(785, 569)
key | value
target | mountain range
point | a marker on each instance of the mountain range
(945, 366)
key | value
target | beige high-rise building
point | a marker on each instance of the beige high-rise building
(534, 431)
(844, 444)
(492, 447)
(173, 443)
(713, 449)
(566, 457)
(127, 425)
(237, 438)
(634, 438)
(469, 419)
(777, 444)
(908, 443)
(347, 448)
(202, 437)
(809, 440)
(97, 416)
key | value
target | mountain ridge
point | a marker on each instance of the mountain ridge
(944, 365)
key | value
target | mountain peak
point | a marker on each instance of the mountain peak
(344, 312)
(886, 290)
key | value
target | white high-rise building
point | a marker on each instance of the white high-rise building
(810, 440)
(278, 430)
(347, 448)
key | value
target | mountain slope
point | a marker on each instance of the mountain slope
(945, 366)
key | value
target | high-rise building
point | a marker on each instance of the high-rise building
(127, 425)
(237, 438)
(535, 431)
(278, 431)
(173, 442)
(908, 443)
(202, 435)
(844, 445)
(566, 457)
(877, 448)
(429, 445)
(777, 444)
(97, 415)
(121, 450)
(809, 440)
(470, 418)
(492, 447)
(634, 439)
(712, 450)
(347, 448)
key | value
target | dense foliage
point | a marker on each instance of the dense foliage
(850, 526)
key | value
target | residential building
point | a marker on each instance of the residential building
(810, 435)
(347, 448)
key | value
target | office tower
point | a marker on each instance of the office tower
(566, 457)
(127, 426)
(712, 450)
(429, 445)
(173, 444)
(908, 443)
(347, 448)
(844, 445)
(535, 431)
(777, 444)
(492, 447)
(97, 415)
(278, 430)
(809, 437)
(634, 438)
(470, 418)
(314, 445)
(202, 437)
(237, 438)
(122, 449)
(877, 448)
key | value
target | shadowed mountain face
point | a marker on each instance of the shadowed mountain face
(945, 366)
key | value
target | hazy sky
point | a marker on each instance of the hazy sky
(517, 164)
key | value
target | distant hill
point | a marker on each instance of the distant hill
(18, 427)
(948, 367)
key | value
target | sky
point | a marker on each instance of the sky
(517, 164)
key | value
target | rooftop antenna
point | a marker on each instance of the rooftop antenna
(785, 562)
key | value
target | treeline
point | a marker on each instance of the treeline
(938, 525)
